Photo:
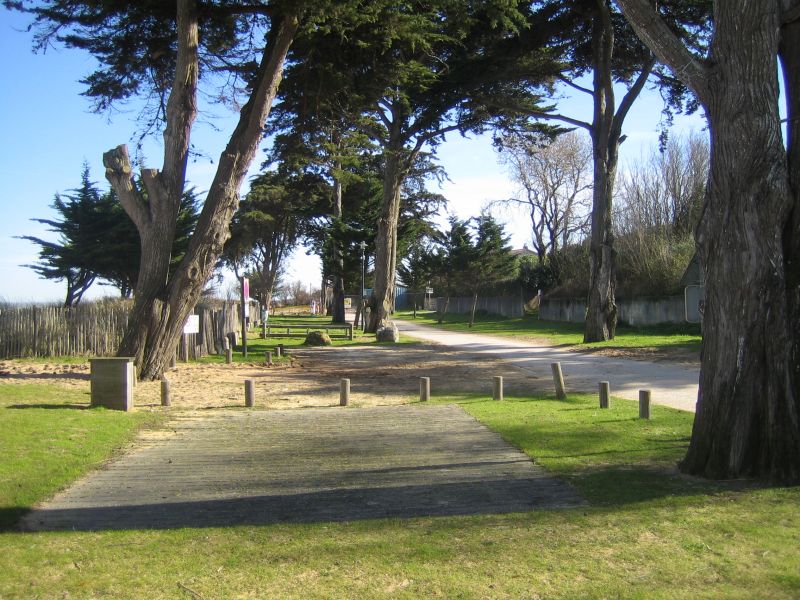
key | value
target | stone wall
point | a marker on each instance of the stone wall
(633, 311)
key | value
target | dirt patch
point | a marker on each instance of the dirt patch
(674, 355)
(379, 375)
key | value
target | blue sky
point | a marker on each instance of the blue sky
(48, 132)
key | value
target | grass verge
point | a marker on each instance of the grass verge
(49, 437)
(648, 533)
(683, 337)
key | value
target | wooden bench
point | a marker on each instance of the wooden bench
(303, 329)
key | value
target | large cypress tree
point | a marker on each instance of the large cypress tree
(748, 239)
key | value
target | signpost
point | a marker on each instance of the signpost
(191, 327)
(245, 312)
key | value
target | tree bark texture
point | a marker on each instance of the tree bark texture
(161, 306)
(747, 422)
(382, 301)
(606, 132)
(601, 313)
(337, 312)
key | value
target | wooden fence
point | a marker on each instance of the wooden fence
(96, 329)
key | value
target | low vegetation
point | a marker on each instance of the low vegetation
(646, 530)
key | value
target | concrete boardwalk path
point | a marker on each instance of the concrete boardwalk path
(671, 384)
(254, 467)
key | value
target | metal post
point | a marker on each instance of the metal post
(244, 319)
(363, 246)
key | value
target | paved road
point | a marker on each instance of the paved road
(671, 384)
(242, 467)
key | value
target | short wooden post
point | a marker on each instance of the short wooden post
(497, 387)
(605, 390)
(350, 333)
(249, 392)
(558, 380)
(644, 404)
(344, 392)
(278, 351)
(165, 395)
(424, 389)
(228, 356)
(268, 358)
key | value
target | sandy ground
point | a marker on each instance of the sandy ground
(380, 375)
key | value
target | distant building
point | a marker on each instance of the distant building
(524, 251)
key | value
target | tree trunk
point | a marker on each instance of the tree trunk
(789, 54)
(337, 311)
(382, 300)
(748, 408)
(606, 132)
(444, 309)
(472, 310)
(601, 313)
(161, 306)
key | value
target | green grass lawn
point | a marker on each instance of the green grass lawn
(256, 346)
(49, 437)
(529, 327)
(647, 532)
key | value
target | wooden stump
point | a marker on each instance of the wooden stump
(165, 392)
(424, 389)
(497, 387)
(644, 404)
(249, 393)
(605, 391)
(558, 381)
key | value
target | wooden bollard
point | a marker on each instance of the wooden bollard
(278, 351)
(228, 356)
(644, 404)
(249, 392)
(165, 396)
(344, 392)
(558, 380)
(605, 391)
(268, 358)
(497, 387)
(424, 389)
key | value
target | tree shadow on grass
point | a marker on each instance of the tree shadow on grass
(69, 375)
(51, 406)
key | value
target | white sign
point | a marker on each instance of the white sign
(192, 324)
(428, 290)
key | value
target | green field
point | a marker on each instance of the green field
(685, 337)
(647, 532)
